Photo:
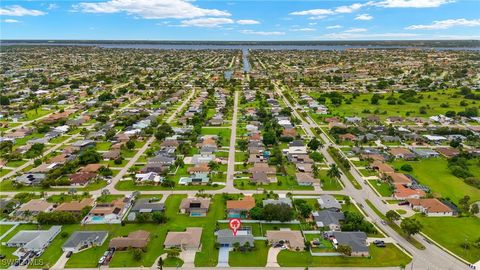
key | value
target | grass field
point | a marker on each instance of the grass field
(466, 228)
(431, 101)
(255, 258)
(382, 187)
(224, 133)
(380, 257)
(434, 173)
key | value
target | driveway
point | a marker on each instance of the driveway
(188, 257)
(272, 257)
(223, 257)
(60, 264)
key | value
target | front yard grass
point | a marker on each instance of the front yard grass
(254, 258)
(467, 229)
(382, 187)
(379, 257)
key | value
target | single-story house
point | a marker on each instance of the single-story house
(235, 208)
(80, 240)
(147, 206)
(34, 240)
(330, 219)
(189, 239)
(226, 238)
(136, 239)
(431, 207)
(74, 206)
(356, 240)
(293, 239)
(328, 202)
(195, 207)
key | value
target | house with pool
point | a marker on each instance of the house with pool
(108, 212)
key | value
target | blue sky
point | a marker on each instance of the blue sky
(240, 20)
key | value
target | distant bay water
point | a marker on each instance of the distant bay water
(226, 46)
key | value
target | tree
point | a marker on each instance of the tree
(89, 156)
(464, 203)
(159, 217)
(160, 263)
(256, 213)
(334, 172)
(344, 249)
(314, 144)
(213, 165)
(406, 168)
(411, 226)
(281, 212)
(392, 215)
(130, 144)
(474, 209)
(137, 254)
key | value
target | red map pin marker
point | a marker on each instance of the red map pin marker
(235, 224)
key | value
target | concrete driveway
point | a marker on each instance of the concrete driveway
(60, 264)
(188, 257)
(223, 254)
(272, 257)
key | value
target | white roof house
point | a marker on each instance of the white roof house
(34, 240)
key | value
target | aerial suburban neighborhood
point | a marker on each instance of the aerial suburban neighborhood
(222, 144)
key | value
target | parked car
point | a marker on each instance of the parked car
(69, 254)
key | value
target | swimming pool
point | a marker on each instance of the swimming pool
(97, 219)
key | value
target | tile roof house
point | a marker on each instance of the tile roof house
(431, 207)
(305, 179)
(195, 207)
(235, 208)
(292, 239)
(400, 152)
(189, 239)
(34, 207)
(74, 206)
(136, 239)
(91, 168)
(403, 193)
(81, 179)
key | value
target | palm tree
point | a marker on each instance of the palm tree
(334, 172)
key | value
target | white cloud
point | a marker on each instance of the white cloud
(52, 6)
(355, 30)
(151, 9)
(207, 22)
(10, 21)
(306, 29)
(334, 26)
(357, 6)
(412, 3)
(364, 17)
(317, 17)
(262, 33)
(245, 22)
(351, 36)
(313, 12)
(349, 9)
(18, 11)
(445, 24)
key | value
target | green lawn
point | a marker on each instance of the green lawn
(380, 257)
(127, 185)
(4, 228)
(382, 187)
(255, 258)
(224, 133)
(466, 228)
(430, 100)
(434, 173)
(173, 262)
(103, 146)
(34, 114)
(6, 185)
